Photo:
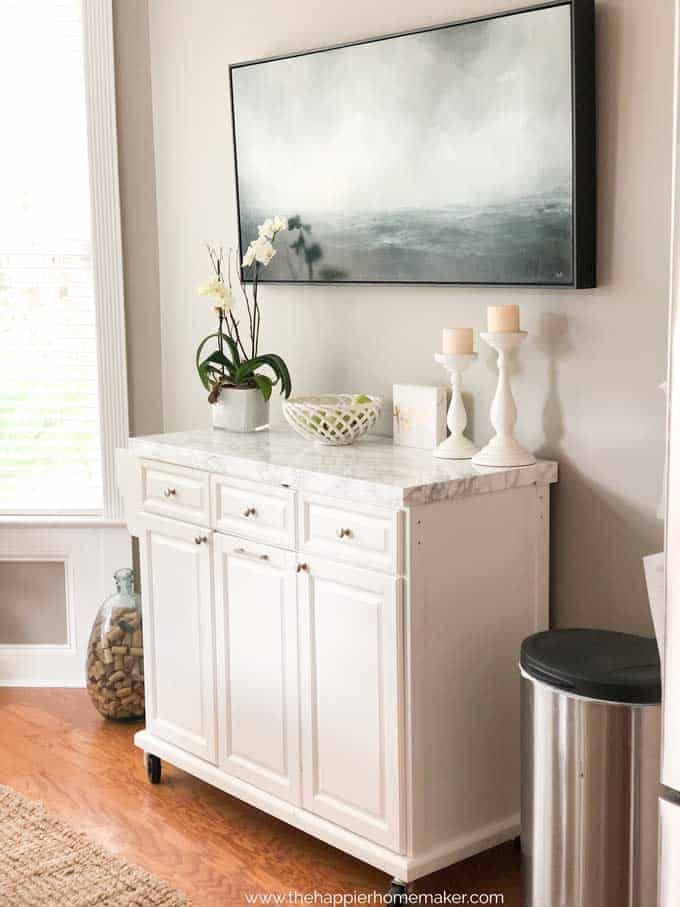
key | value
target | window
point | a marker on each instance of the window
(55, 448)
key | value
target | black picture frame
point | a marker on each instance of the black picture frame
(584, 148)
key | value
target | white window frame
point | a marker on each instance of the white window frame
(107, 270)
(107, 246)
(90, 544)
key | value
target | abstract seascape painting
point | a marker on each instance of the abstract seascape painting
(440, 156)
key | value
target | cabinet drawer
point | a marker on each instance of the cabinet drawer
(356, 534)
(260, 512)
(176, 492)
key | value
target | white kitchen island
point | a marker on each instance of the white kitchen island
(332, 634)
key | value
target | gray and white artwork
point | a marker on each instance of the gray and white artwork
(438, 156)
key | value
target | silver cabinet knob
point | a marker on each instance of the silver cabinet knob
(169, 492)
(201, 539)
(344, 533)
(249, 511)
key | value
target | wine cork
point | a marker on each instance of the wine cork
(115, 664)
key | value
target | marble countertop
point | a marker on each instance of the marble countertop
(372, 470)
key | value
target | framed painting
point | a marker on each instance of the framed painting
(458, 154)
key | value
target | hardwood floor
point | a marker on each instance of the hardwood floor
(55, 748)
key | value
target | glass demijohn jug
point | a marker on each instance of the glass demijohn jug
(115, 654)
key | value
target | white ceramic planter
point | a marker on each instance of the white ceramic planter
(240, 410)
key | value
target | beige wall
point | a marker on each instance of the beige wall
(33, 608)
(587, 380)
(138, 214)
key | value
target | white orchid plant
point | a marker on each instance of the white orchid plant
(233, 362)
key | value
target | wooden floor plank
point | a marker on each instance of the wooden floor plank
(57, 749)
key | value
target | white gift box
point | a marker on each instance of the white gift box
(419, 415)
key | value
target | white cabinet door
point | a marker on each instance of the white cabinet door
(351, 663)
(257, 654)
(178, 633)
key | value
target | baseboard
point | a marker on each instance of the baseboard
(463, 846)
(406, 868)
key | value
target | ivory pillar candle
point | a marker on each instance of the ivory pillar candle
(503, 319)
(457, 341)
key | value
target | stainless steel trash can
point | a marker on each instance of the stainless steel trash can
(591, 725)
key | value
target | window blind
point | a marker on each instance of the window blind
(50, 457)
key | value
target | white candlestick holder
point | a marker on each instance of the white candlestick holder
(503, 449)
(456, 446)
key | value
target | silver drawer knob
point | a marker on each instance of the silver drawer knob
(169, 492)
(344, 533)
(249, 511)
(200, 539)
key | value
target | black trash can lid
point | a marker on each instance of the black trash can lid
(598, 664)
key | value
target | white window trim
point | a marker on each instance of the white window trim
(107, 246)
(107, 267)
(91, 545)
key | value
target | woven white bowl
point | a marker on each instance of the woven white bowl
(332, 419)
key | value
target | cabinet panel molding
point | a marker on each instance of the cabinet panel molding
(173, 491)
(177, 607)
(350, 638)
(257, 657)
(254, 511)
(361, 535)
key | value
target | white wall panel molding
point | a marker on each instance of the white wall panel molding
(90, 557)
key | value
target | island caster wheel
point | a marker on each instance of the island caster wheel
(398, 893)
(153, 768)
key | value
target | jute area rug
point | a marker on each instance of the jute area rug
(44, 863)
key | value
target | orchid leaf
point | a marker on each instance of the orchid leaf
(216, 358)
(247, 371)
(233, 349)
(264, 384)
(209, 375)
(278, 366)
(201, 345)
